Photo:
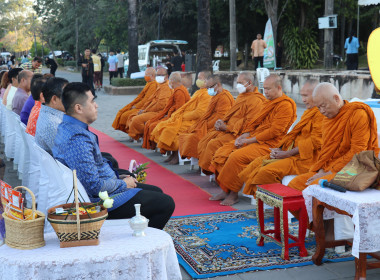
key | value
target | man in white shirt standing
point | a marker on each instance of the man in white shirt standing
(112, 69)
(120, 64)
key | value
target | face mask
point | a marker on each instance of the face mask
(211, 91)
(147, 79)
(200, 83)
(240, 88)
(160, 79)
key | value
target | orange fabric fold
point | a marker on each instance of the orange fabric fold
(269, 128)
(218, 107)
(306, 135)
(166, 132)
(179, 97)
(247, 106)
(121, 118)
(351, 131)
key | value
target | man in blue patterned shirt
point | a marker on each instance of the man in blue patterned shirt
(51, 113)
(78, 148)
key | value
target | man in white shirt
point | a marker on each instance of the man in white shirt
(112, 69)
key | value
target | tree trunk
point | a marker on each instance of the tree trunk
(246, 54)
(132, 38)
(232, 36)
(204, 39)
(329, 37)
(342, 33)
(271, 7)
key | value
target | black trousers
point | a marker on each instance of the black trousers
(258, 59)
(155, 206)
(113, 74)
(89, 80)
(120, 71)
(52, 70)
(352, 61)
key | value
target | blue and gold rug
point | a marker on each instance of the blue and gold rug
(217, 244)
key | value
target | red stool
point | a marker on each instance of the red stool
(283, 199)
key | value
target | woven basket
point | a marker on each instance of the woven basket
(25, 234)
(78, 230)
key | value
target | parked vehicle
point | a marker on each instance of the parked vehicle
(154, 53)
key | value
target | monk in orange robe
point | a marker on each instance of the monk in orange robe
(166, 133)
(138, 103)
(220, 103)
(247, 106)
(265, 132)
(156, 103)
(297, 152)
(348, 129)
(179, 97)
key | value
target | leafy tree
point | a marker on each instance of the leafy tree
(204, 40)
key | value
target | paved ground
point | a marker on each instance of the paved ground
(108, 107)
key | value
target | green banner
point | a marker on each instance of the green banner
(269, 52)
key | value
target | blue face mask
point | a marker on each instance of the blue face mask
(211, 91)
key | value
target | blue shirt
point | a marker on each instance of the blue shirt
(25, 112)
(353, 46)
(77, 147)
(47, 126)
(112, 62)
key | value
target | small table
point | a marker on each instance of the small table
(283, 199)
(363, 207)
(119, 255)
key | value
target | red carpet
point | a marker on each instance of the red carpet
(189, 198)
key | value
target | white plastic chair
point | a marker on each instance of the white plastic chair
(20, 149)
(182, 161)
(215, 66)
(3, 122)
(261, 73)
(10, 135)
(25, 164)
(34, 165)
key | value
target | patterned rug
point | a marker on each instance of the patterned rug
(217, 244)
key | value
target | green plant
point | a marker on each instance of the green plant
(301, 47)
(70, 63)
(126, 82)
(60, 61)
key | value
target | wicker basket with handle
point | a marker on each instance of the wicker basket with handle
(77, 230)
(25, 234)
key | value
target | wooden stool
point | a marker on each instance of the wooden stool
(283, 199)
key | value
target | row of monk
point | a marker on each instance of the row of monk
(247, 140)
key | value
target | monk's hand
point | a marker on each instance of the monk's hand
(133, 107)
(274, 152)
(222, 126)
(130, 181)
(140, 112)
(321, 173)
(217, 124)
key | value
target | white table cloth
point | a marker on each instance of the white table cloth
(118, 256)
(363, 206)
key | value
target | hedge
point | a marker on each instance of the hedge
(126, 82)
(70, 63)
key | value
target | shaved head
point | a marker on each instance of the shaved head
(275, 79)
(150, 72)
(272, 87)
(175, 77)
(206, 74)
(246, 76)
(328, 100)
(162, 72)
(307, 92)
(215, 79)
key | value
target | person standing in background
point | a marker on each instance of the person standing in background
(352, 46)
(258, 47)
(87, 69)
(112, 68)
(120, 64)
(97, 69)
(52, 65)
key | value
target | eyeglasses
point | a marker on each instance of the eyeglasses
(212, 86)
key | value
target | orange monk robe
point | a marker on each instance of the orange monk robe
(306, 135)
(352, 131)
(139, 102)
(218, 107)
(269, 128)
(155, 104)
(179, 97)
(166, 132)
(246, 108)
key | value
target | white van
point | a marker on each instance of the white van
(154, 53)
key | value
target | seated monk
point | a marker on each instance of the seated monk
(297, 151)
(265, 132)
(138, 103)
(348, 129)
(166, 133)
(157, 101)
(179, 97)
(220, 103)
(247, 106)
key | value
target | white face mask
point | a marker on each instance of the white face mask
(211, 92)
(241, 88)
(160, 79)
